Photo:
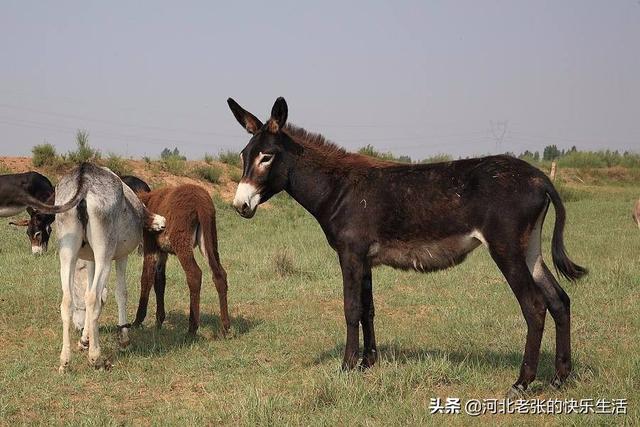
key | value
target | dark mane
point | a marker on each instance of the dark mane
(328, 149)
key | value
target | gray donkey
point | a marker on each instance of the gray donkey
(105, 225)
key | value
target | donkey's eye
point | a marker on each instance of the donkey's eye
(266, 158)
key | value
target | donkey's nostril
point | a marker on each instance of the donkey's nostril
(245, 207)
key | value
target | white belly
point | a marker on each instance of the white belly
(124, 246)
(423, 256)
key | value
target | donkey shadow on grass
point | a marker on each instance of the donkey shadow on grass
(148, 340)
(483, 360)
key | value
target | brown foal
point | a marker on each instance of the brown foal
(191, 221)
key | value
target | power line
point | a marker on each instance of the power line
(90, 119)
(114, 135)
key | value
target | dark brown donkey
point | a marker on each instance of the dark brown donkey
(421, 217)
(190, 221)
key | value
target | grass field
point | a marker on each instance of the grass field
(456, 333)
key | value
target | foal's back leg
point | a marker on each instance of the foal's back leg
(219, 274)
(194, 281)
(512, 264)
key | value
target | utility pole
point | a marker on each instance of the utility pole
(499, 129)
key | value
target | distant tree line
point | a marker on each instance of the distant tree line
(572, 157)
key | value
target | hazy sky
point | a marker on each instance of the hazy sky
(416, 78)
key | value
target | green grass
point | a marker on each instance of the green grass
(455, 333)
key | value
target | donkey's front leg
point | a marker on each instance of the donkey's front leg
(146, 282)
(352, 267)
(370, 353)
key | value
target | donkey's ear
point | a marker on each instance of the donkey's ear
(20, 223)
(245, 118)
(31, 211)
(278, 115)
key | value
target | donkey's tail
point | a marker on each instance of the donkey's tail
(209, 240)
(45, 208)
(561, 261)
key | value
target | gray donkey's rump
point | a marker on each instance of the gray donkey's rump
(106, 225)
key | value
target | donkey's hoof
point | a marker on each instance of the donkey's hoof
(557, 382)
(137, 325)
(63, 369)
(101, 364)
(369, 358)
(124, 344)
(83, 345)
(349, 365)
(517, 391)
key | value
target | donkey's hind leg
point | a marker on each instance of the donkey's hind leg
(121, 299)
(69, 244)
(559, 306)
(93, 303)
(194, 281)
(557, 302)
(83, 344)
(219, 275)
(103, 251)
(512, 264)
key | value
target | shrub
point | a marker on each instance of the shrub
(118, 165)
(208, 159)
(438, 158)
(369, 150)
(208, 173)
(599, 159)
(175, 165)
(551, 152)
(230, 158)
(283, 263)
(4, 168)
(166, 153)
(44, 155)
(84, 152)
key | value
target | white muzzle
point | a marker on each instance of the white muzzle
(246, 199)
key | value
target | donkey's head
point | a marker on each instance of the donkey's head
(38, 230)
(266, 159)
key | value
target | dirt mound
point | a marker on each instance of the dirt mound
(151, 172)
